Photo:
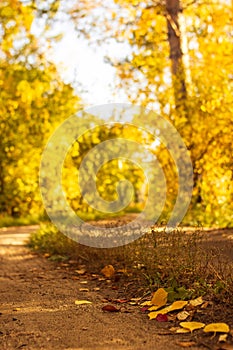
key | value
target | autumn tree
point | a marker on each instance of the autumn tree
(180, 65)
(33, 101)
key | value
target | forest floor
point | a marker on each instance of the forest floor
(38, 309)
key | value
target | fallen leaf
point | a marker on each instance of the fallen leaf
(196, 302)
(174, 329)
(183, 315)
(177, 305)
(159, 298)
(81, 271)
(121, 301)
(108, 271)
(110, 308)
(83, 289)
(223, 338)
(191, 326)
(82, 302)
(96, 289)
(144, 308)
(146, 303)
(182, 330)
(161, 318)
(186, 344)
(217, 327)
(135, 299)
(83, 282)
(204, 306)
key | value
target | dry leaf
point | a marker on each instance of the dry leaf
(82, 302)
(121, 301)
(161, 318)
(146, 303)
(135, 299)
(217, 327)
(183, 315)
(159, 298)
(223, 338)
(182, 330)
(185, 344)
(110, 308)
(177, 305)
(83, 289)
(108, 271)
(204, 306)
(81, 271)
(191, 326)
(196, 302)
(144, 309)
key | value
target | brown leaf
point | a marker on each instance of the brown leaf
(108, 271)
(185, 344)
(110, 308)
(81, 271)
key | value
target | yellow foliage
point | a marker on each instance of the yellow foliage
(191, 326)
(217, 327)
(159, 298)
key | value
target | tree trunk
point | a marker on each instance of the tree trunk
(177, 67)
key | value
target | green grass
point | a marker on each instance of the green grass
(176, 260)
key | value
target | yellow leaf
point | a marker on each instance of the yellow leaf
(146, 303)
(108, 271)
(82, 302)
(191, 326)
(196, 302)
(182, 330)
(186, 344)
(177, 305)
(217, 327)
(159, 298)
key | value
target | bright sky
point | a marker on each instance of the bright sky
(84, 64)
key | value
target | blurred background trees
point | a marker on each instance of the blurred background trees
(180, 64)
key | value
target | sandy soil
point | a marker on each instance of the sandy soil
(38, 308)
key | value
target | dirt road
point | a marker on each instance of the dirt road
(38, 308)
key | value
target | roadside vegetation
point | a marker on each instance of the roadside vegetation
(180, 261)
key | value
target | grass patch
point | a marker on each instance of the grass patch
(7, 221)
(177, 261)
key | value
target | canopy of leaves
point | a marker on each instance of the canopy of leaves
(33, 100)
(204, 117)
